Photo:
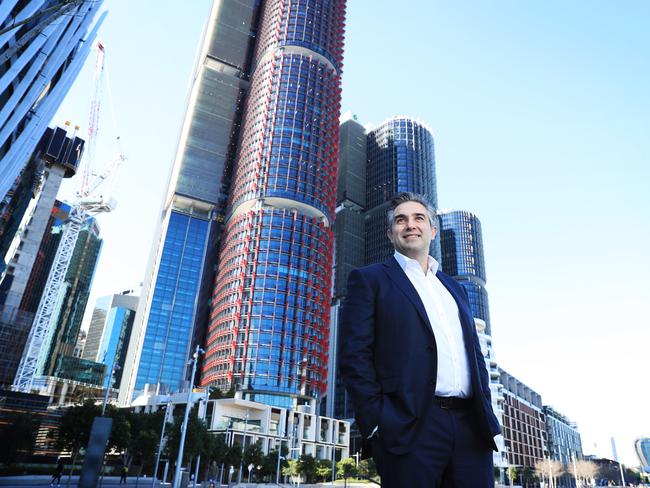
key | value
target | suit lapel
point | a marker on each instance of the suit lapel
(397, 274)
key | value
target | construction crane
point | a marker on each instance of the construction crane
(30, 371)
(93, 117)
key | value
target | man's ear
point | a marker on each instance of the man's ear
(434, 231)
(389, 233)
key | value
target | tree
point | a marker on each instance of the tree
(542, 470)
(346, 468)
(216, 393)
(526, 475)
(196, 437)
(270, 463)
(216, 449)
(291, 469)
(145, 436)
(253, 455)
(307, 467)
(511, 472)
(367, 468)
(550, 469)
(324, 470)
(233, 456)
(120, 438)
(557, 470)
(77, 421)
(585, 471)
(21, 428)
(76, 424)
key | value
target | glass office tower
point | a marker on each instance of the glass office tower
(109, 334)
(269, 320)
(461, 243)
(172, 314)
(400, 158)
(349, 236)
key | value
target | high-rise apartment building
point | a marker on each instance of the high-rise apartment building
(564, 442)
(461, 244)
(173, 311)
(39, 60)
(496, 392)
(524, 423)
(109, 334)
(269, 320)
(400, 158)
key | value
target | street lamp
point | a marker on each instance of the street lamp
(179, 459)
(205, 413)
(243, 445)
(277, 469)
(222, 471)
(293, 478)
(356, 459)
(167, 408)
(108, 387)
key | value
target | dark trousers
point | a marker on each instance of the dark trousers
(449, 452)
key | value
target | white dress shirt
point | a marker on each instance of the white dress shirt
(453, 378)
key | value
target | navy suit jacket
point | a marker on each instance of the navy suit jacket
(388, 358)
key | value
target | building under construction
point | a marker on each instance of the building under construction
(31, 249)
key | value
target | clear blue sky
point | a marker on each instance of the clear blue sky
(541, 115)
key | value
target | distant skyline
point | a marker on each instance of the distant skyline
(540, 114)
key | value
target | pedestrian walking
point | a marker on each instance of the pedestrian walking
(58, 472)
(125, 471)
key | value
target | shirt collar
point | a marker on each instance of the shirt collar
(406, 262)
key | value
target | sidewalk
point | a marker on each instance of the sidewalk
(44, 480)
(113, 482)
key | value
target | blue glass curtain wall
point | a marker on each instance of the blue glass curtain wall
(166, 347)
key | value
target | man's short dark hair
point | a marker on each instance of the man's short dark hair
(409, 196)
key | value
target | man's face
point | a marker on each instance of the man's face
(411, 231)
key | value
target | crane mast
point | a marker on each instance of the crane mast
(31, 362)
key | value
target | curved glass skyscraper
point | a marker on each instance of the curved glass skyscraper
(642, 448)
(400, 158)
(269, 320)
(43, 46)
(461, 244)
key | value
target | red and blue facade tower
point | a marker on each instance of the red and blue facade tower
(269, 322)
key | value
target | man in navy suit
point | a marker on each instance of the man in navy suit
(412, 364)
